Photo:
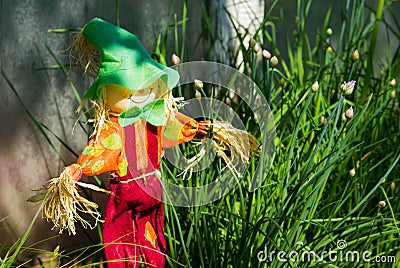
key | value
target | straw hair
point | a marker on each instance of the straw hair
(240, 144)
(89, 56)
(62, 203)
(234, 146)
(85, 54)
(101, 115)
(172, 104)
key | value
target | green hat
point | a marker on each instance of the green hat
(125, 61)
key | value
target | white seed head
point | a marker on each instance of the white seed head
(348, 88)
(197, 94)
(382, 204)
(329, 31)
(252, 43)
(393, 186)
(315, 86)
(355, 56)
(350, 113)
(220, 154)
(266, 54)
(392, 94)
(175, 59)
(323, 120)
(344, 118)
(352, 172)
(274, 61)
(392, 82)
(198, 84)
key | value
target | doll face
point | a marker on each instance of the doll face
(119, 98)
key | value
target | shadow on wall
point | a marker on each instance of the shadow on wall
(27, 161)
(26, 157)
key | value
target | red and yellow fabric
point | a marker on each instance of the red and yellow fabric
(183, 129)
(105, 153)
(133, 219)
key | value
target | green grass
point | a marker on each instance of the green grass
(309, 201)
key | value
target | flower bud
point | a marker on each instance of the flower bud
(344, 118)
(175, 59)
(252, 43)
(274, 61)
(352, 172)
(355, 56)
(282, 81)
(197, 94)
(392, 94)
(350, 113)
(382, 204)
(393, 186)
(347, 88)
(266, 54)
(329, 31)
(315, 86)
(323, 120)
(392, 82)
(157, 173)
(220, 154)
(329, 49)
(198, 84)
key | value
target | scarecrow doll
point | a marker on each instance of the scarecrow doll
(135, 118)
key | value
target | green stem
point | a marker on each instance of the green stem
(270, 86)
(117, 12)
(253, 65)
(369, 71)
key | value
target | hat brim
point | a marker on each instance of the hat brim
(136, 78)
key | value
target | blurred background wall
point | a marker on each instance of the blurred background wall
(27, 160)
